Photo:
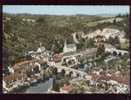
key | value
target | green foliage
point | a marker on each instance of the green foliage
(21, 36)
(60, 83)
(100, 50)
(114, 41)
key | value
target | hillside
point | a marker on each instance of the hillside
(24, 32)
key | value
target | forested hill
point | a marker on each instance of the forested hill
(24, 32)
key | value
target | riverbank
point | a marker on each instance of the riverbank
(24, 88)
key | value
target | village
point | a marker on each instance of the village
(103, 68)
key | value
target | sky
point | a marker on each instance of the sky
(66, 9)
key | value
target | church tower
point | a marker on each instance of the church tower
(65, 46)
(69, 47)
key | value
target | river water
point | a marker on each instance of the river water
(40, 87)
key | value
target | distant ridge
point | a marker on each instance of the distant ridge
(101, 15)
(107, 15)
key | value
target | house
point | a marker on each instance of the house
(59, 70)
(122, 52)
(94, 34)
(37, 64)
(109, 48)
(67, 72)
(74, 75)
(70, 61)
(13, 77)
(99, 38)
(66, 88)
(57, 57)
(106, 33)
(11, 70)
(40, 49)
(6, 19)
(29, 52)
(88, 77)
(45, 58)
(4, 84)
(28, 20)
(69, 47)
(52, 63)
(22, 65)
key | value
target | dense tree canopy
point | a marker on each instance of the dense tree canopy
(21, 36)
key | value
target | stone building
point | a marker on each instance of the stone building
(69, 47)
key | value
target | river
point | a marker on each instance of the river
(40, 87)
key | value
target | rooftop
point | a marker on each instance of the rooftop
(108, 45)
(71, 45)
(87, 51)
(17, 65)
(124, 79)
(67, 88)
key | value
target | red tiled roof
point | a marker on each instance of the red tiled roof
(17, 65)
(12, 77)
(67, 87)
(121, 78)
(21, 63)
(57, 57)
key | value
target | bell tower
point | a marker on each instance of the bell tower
(65, 46)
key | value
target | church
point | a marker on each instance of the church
(69, 47)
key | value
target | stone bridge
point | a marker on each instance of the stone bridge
(68, 70)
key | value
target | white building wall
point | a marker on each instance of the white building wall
(11, 70)
(69, 49)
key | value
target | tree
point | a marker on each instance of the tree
(55, 85)
(63, 72)
(41, 20)
(114, 41)
(6, 70)
(110, 40)
(119, 15)
(54, 71)
(49, 72)
(89, 43)
(81, 45)
(114, 21)
(100, 50)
